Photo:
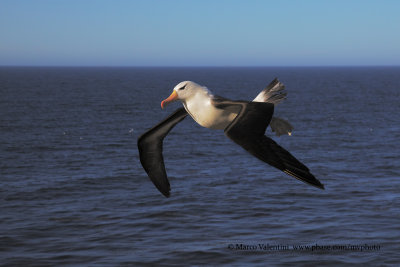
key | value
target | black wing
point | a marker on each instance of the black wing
(247, 130)
(150, 146)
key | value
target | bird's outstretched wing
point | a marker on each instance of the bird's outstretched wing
(247, 130)
(150, 146)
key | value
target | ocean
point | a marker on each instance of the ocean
(73, 191)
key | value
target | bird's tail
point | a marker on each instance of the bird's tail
(274, 94)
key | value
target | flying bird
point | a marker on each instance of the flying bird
(244, 122)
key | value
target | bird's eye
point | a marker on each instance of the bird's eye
(183, 87)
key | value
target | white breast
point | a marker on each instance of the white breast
(206, 114)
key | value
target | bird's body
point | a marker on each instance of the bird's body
(200, 107)
(242, 121)
(206, 115)
(199, 104)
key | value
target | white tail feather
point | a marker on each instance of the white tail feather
(273, 93)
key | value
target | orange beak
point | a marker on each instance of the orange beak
(171, 98)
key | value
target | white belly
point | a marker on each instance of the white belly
(206, 115)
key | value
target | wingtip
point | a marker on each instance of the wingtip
(318, 184)
(165, 191)
(308, 180)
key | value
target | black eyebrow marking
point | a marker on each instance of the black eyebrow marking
(183, 87)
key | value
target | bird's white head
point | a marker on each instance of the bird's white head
(184, 91)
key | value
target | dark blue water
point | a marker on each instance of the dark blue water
(72, 190)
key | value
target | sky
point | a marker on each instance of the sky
(199, 32)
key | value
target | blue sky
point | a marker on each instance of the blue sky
(199, 33)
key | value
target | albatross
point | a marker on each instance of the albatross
(244, 122)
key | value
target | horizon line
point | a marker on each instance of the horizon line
(197, 66)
